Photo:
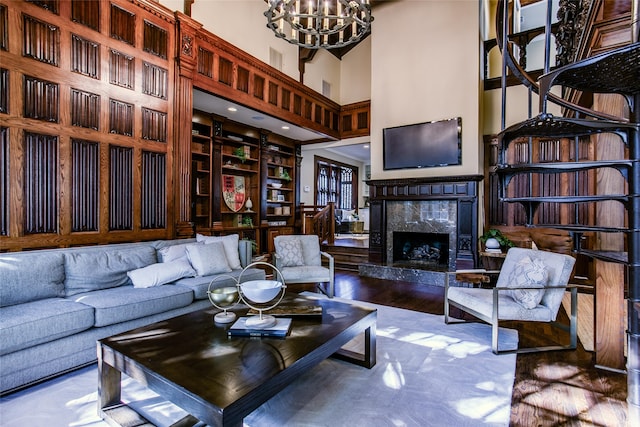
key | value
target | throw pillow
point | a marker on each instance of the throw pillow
(175, 252)
(230, 243)
(290, 250)
(160, 273)
(528, 273)
(208, 259)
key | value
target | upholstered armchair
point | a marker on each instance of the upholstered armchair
(299, 259)
(529, 288)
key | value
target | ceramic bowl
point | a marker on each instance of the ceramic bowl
(276, 184)
(261, 290)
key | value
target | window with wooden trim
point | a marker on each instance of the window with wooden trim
(336, 182)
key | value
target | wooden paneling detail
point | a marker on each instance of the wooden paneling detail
(40, 183)
(154, 190)
(234, 71)
(86, 12)
(205, 62)
(355, 119)
(85, 57)
(85, 109)
(155, 40)
(4, 90)
(4, 181)
(123, 25)
(120, 188)
(41, 41)
(111, 96)
(121, 69)
(155, 80)
(4, 27)
(41, 99)
(154, 125)
(85, 170)
(121, 115)
(50, 5)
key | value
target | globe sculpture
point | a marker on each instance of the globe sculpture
(262, 295)
(223, 298)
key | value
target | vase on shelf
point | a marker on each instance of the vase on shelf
(249, 205)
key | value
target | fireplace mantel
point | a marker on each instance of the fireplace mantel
(462, 189)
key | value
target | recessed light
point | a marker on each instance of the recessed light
(285, 127)
(232, 109)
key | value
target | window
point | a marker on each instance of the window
(336, 182)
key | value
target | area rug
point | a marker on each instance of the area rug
(427, 374)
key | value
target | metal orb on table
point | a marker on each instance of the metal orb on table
(223, 298)
(262, 295)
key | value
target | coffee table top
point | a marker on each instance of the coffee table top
(200, 362)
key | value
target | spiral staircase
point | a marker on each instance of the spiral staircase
(615, 71)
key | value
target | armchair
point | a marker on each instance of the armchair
(529, 288)
(299, 259)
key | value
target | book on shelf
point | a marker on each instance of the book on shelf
(280, 329)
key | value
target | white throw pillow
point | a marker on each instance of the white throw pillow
(208, 259)
(530, 274)
(160, 273)
(175, 252)
(290, 250)
(230, 243)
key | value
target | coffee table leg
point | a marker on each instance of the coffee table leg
(368, 357)
(109, 384)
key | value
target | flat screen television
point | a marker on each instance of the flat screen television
(423, 145)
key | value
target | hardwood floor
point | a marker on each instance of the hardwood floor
(559, 388)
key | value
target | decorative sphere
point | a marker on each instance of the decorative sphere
(261, 291)
(224, 296)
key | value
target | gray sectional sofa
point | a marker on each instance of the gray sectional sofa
(56, 303)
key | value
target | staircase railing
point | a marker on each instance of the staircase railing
(319, 220)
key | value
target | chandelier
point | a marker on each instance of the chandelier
(316, 24)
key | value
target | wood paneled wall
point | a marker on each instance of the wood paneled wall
(85, 137)
(95, 117)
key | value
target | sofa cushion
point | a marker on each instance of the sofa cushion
(208, 259)
(230, 243)
(160, 273)
(124, 303)
(31, 277)
(175, 252)
(41, 321)
(95, 269)
(200, 284)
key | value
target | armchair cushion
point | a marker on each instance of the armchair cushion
(290, 251)
(528, 273)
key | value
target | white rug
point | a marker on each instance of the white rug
(427, 374)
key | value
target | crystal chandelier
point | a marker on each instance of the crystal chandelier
(316, 24)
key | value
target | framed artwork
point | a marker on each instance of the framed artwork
(233, 191)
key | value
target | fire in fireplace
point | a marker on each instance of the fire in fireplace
(421, 249)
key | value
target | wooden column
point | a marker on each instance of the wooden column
(610, 277)
(183, 107)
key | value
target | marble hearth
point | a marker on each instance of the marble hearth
(425, 208)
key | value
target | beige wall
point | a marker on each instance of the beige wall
(425, 65)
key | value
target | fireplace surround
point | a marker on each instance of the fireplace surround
(427, 205)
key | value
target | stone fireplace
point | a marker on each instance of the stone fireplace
(422, 226)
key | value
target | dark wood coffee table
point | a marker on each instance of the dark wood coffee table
(217, 379)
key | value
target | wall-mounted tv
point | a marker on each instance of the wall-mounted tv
(423, 145)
